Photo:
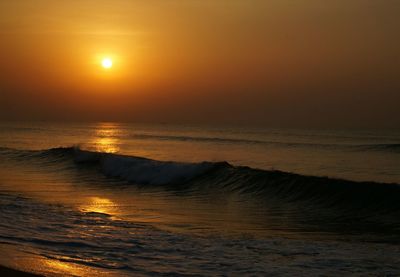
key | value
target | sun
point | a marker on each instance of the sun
(106, 63)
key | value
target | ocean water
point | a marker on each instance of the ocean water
(115, 199)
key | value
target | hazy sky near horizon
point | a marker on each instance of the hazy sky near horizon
(296, 63)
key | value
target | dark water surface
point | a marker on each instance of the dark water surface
(160, 200)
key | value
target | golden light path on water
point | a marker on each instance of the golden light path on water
(31, 262)
(99, 205)
(105, 138)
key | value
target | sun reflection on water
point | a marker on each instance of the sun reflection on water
(54, 267)
(49, 266)
(63, 267)
(106, 138)
(99, 205)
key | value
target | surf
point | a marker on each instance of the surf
(267, 184)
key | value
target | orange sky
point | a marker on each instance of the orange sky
(273, 63)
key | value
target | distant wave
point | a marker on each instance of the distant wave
(392, 147)
(195, 138)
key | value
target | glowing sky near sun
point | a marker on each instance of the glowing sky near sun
(106, 63)
(265, 62)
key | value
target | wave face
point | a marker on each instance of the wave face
(357, 198)
(137, 169)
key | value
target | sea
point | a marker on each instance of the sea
(130, 199)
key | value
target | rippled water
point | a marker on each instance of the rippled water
(354, 155)
(129, 211)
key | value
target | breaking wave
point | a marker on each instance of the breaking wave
(306, 194)
(333, 205)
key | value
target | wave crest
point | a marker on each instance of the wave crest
(281, 187)
(140, 170)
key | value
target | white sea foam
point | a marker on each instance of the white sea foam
(142, 170)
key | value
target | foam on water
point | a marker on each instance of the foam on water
(317, 203)
(141, 170)
(66, 242)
